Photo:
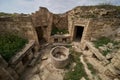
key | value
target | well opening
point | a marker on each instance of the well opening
(59, 56)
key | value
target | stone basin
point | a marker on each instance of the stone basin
(59, 56)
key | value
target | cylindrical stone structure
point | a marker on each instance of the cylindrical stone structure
(59, 56)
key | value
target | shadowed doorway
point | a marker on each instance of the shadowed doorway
(78, 33)
(40, 35)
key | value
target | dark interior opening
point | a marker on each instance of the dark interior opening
(94, 56)
(55, 40)
(25, 60)
(45, 26)
(64, 40)
(40, 35)
(33, 50)
(86, 48)
(78, 32)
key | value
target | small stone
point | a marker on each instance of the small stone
(102, 48)
(110, 45)
(73, 69)
(44, 58)
(82, 78)
(74, 64)
(93, 39)
(109, 56)
(116, 79)
(35, 77)
(118, 33)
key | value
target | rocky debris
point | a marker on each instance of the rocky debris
(95, 51)
(109, 73)
(109, 56)
(88, 72)
(49, 72)
(4, 75)
(93, 39)
(82, 78)
(105, 62)
(118, 33)
(116, 79)
(102, 48)
(88, 53)
(99, 67)
(73, 65)
(110, 45)
(114, 67)
(44, 58)
(35, 77)
(110, 65)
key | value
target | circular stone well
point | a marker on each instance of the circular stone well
(59, 56)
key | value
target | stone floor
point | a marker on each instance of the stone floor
(44, 70)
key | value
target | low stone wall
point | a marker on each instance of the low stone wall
(20, 25)
(60, 38)
(13, 69)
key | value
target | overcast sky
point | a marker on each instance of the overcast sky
(56, 6)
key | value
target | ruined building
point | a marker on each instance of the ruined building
(83, 24)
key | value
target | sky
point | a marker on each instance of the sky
(55, 6)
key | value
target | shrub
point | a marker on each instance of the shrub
(5, 14)
(106, 5)
(102, 41)
(10, 44)
(106, 52)
(55, 30)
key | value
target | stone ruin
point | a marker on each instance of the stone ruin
(60, 56)
(79, 26)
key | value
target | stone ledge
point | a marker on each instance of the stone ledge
(15, 59)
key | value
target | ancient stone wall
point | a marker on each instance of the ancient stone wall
(60, 21)
(7, 73)
(104, 27)
(97, 26)
(46, 20)
(17, 25)
(13, 69)
(43, 19)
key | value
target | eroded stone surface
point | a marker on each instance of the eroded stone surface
(45, 70)
(95, 23)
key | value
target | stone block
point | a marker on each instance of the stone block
(13, 73)
(3, 63)
(4, 74)
(19, 68)
(30, 56)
